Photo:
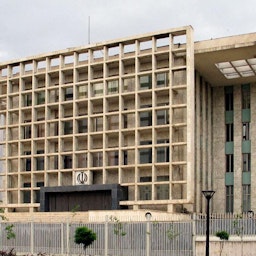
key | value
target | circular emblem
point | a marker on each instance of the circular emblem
(81, 178)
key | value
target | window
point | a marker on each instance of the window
(162, 117)
(145, 155)
(129, 84)
(28, 100)
(27, 194)
(112, 87)
(82, 160)
(229, 198)
(125, 157)
(145, 118)
(98, 89)
(41, 98)
(28, 164)
(230, 163)
(246, 162)
(27, 132)
(68, 127)
(162, 192)
(113, 158)
(246, 198)
(229, 99)
(82, 125)
(67, 162)
(229, 132)
(246, 131)
(113, 122)
(145, 82)
(69, 93)
(146, 179)
(145, 192)
(40, 130)
(40, 161)
(162, 154)
(98, 124)
(37, 198)
(246, 96)
(82, 91)
(162, 80)
(97, 159)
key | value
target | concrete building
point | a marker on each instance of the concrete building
(145, 122)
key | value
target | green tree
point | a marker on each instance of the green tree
(84, 236)
(223, 235)
(9, 228)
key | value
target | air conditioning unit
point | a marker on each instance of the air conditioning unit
(83, 178)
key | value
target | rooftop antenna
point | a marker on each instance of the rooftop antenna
(89, 32)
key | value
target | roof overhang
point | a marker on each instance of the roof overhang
(227, 61)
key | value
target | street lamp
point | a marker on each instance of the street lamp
(208, 194)
(148, 217)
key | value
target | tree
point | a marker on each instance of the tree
(223, 235)
(9, 228)
(84, 236)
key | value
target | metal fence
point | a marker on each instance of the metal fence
(127, 239)
(121, 238)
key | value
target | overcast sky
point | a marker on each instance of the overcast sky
(30, 27)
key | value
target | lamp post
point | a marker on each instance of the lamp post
(208, 194)
(148, 216)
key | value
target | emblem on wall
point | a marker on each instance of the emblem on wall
(82, 178)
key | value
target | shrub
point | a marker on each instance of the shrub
(223, 235)
(85, 236)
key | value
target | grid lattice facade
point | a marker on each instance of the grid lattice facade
(121, 111)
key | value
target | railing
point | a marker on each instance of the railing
(123, 238)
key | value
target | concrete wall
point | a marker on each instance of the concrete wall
(235, 246)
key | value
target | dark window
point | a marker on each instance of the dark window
(145, 192)
(162, 192)
(145, 155)
(146, 82)
(82, 125)
(229, 132)
(146, 179)
(230, 163)
(41, 98)
(68, 127)
(98, 125)
(28, 164)
(246, 162)
(40, 130)
(229, 101)
(162, 117)
(28, 100)
(38, 184)
(162, 80)
(69, 93)
(40, 161)
(246, 101)
(125, 156)
(27, 194)
(229, 198)
(162, 154)
(27, 132)
(67, 162)
(145, 118)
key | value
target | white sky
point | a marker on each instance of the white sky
(30, 27)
